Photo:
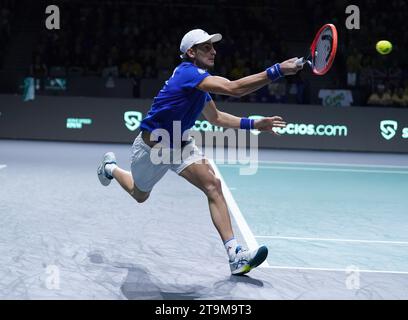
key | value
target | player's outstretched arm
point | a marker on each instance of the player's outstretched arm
(226, 120)
(249, 84)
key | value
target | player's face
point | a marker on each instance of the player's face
(205, 55)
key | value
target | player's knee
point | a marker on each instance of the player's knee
(140, 197)
(213, 188)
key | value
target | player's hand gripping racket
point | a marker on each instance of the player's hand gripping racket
(322, 51)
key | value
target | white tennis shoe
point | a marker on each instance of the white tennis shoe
(246, 260)
(103, 176)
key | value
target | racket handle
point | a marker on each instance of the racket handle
(300, 62)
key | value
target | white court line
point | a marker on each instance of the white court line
(337, 270)
(324, 164)
(334, 169)
(2, 166)
(325, 169)
(328, 164)
(335, 240)
(237, 214)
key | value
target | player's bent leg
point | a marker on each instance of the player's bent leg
(108, 170)
(241, 261)
(138, 195)
(203, 177)
(125, 179)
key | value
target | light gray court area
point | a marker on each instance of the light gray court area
(64, 236)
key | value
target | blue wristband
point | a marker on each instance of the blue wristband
(247, 124)
(274, 73)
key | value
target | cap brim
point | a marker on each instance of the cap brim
(216, 37)
(212, 37)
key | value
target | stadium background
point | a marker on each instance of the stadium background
(125, 50)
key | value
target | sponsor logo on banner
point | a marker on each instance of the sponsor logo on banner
(388, 129)
(204, 126)
(132, 119)
(303, 129)
(405, 133)
(77, 123)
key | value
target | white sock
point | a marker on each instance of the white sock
(109, 168)
(231, 246)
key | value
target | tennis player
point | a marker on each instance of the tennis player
(183, 97)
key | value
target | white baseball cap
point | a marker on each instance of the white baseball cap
(194, 37)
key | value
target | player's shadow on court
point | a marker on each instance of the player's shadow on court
(231, 282)
(140, 284)
(246, 279)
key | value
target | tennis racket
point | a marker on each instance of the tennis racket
(322, 51)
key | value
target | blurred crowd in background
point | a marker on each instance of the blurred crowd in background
(133, 41)
(382, 80)
(6, 16)
(137, 41)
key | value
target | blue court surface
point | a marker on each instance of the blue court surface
(325, 216)
(334, 222)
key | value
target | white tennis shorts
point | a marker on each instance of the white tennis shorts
(146, 171)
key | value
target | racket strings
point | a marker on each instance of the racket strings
(324, 48)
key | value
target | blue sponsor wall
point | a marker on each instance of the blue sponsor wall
(118, 120)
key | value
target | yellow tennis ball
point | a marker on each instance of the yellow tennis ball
(384, 47)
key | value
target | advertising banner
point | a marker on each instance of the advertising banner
(118, 120)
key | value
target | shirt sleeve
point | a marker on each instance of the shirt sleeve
(192, 76)
(208, 97)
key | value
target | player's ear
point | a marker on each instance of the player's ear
(191, 53)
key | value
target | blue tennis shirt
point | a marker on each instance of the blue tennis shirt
(178, 100)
